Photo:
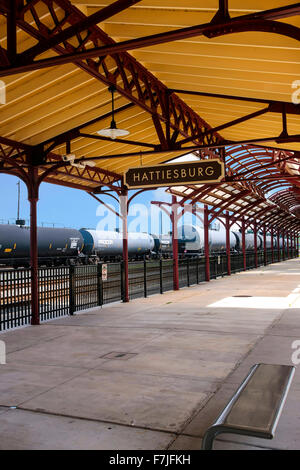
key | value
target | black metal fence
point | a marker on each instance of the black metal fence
(68, 289)
(15, 300)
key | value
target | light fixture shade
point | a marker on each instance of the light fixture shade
(112, 133)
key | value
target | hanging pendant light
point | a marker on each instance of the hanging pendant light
(113, 131)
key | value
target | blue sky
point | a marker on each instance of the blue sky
(66, 207)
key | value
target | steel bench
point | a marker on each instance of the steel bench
(255, 408)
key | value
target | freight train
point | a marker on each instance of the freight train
(62, 246)
(191, 241)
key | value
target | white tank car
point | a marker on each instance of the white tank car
(249, 241)
(109, 243)
(268, 242)
(192, 237)
(276, 244)
(260, 243)
(217, 240)
(165, 244)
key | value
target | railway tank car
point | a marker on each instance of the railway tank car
(249, 241)
(191, 239)
(55, 245)
(60, 246)
(108, 244)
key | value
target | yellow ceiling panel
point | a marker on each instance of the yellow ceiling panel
(50, 101)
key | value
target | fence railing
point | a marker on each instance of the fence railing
(67, 289)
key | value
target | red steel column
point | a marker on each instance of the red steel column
(288, 244)
(293, 244)
(33, 196)
(278, 245)
(227, 217)
(255, 243)
(206, 244)
(283, 245)
(124, 213)
(244, 243)
(272, 243)
(265, 245)
(175, 243)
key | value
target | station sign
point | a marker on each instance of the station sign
(104, 272)
(172, 174)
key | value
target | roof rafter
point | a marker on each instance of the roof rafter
(130, 78)
(259, 21)
(82, 25)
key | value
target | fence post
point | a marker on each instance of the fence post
(160, 276)
(206, 244)
(122, 279)
(145, 278)
(265, 244)
(197, 269)
(99, 285)
(228, 253)
(71, 289)
(188, 272)
(244, 244)
(272, 243)
(255, 244)
(124, 213)
(293, 244)
(174, 220)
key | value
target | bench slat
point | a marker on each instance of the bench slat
(255, 408)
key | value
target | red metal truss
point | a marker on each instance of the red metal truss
(238, 194)
(130, 78)
(72, 33)
(223, 205)
(138, 84)
(221, 24)
(246, 162)
(17, 159)
(290, 197)
(273, 106)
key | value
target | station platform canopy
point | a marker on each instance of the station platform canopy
(212, 78)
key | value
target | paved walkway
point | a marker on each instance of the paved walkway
(154, 373)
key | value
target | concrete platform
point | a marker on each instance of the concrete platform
(154, 373)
